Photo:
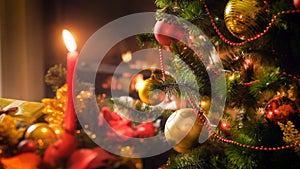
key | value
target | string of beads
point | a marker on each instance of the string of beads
(204, 120)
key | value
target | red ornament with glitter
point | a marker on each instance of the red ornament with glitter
(166, 33)
(281, 109)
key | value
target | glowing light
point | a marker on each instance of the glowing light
(44, 130)
(270, 113)
(228, 9)
(57, 131)
(203, 103)
(127, 57)
(248, 61)
(69, 40)
(231, 77)
(224, 125)
(139, 83)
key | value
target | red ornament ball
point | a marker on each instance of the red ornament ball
(27, 146)
(166, 33)
(224, 125)
(297, 4)
(281, 109)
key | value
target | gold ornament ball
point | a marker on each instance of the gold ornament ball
(42, 134)
(58, 130)
(246, 18)
(149, 94)
(183, 128)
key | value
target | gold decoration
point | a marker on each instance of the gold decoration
(290, 134)
(149, 94)
(42, 133)
(9, 135)
(183, 127)
(245, 18)
(205, 103)
(55, 108)
(58, 130)
(25, 112)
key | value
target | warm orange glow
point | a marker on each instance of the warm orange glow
(69, 40)
(44, 130)
(57, 131)
(203, 103)
(126, 57)
(248, 61)
(224, 125)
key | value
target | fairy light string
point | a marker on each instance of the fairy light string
(274, 18)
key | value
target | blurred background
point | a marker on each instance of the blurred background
(31, 41)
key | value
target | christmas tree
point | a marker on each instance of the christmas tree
(225, 95)
(256, 42)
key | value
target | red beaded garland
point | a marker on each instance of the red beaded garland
(219, 137)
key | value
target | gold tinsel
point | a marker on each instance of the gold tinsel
(55, 108)
(9, 134)
(290, 134)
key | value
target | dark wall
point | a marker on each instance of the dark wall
(83, 18)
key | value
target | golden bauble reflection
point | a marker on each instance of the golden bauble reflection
(183, 128)
(150, 95)
(42, 134)
(246, 18)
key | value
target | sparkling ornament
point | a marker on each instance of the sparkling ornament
(205, 103)
(42, 134)
(151, 91)
(224, 125)
(150, 95)
(58, 130)
(166, 33)
(281, 109)
(297, 4)
(183, 127)
(245, 18)
(137, 82)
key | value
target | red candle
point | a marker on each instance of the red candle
(70, 115)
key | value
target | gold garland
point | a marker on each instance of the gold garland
(55, 108)
(290, 134)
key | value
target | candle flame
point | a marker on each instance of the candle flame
(69, 40)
